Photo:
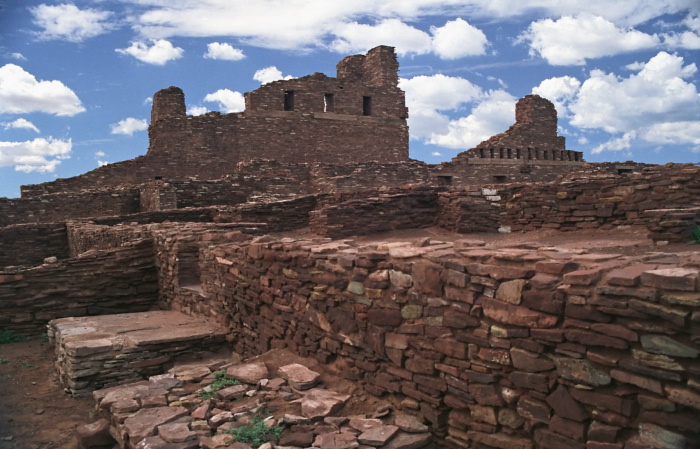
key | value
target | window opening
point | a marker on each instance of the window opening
(444, 180)
(328, 103)
(500, 178)
(288, 100)
(366, 105)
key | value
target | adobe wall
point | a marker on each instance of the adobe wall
(96, 283)
(501, 347)
(30, 244)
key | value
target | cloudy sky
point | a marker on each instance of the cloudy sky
(76, 78)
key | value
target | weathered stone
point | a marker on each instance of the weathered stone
(511, 291)
(500, 440)
(528, 361)
(516, 315)
(426, 277)
(533, 409)
(640, 381)
(176, 433)
(408, 441)
(377, 436)
(399, 279)
(451, 348)
(95, 434)
(509, 418)
(336, 441)
(145, 422)
(299, 376)
(231, 393)
(319, 403)
(409, 423)
(384, 317)
(658, 437)
(547, 439)
(661, 344)
(250, 373)
(684, 279)
(581, 370)
(566, 406)
(683, 396)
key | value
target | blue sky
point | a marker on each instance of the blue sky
(76, 79)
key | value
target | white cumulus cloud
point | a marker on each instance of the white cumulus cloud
(38, 155)
(560, 91)
(429, 98)
(492, 115)
(197, 110)
(572, 40)
(20, 123)
(21, 92)
(457, 39)
(270, 74)
(160, 51)
(229, 101)
(217, 50)
(357, 37)
(67, 22)
(129, 126)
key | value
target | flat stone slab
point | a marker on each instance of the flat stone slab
(94, 352)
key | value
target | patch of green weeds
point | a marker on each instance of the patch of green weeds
(696, 235)
(44, 338)
(24, 364)
(220, 381)
(3, 361)
(11, 337)
(255, 433)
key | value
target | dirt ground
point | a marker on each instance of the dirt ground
(36, 414)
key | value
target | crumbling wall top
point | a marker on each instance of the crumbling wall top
(168, 103)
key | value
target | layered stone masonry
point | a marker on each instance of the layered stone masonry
(505, 347)
(95, 283)
(30, 244)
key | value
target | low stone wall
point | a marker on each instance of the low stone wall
(608, 200)
(412, 208)
(59, 207)
(472, 209)
(96, 283)
(516, 348)
(30, 244)
(672, 225)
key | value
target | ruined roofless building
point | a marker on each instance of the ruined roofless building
(358, 116)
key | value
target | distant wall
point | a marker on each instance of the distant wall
(64, 206)
(30, 244)
(97, 283)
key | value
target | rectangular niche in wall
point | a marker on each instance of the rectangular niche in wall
(366, 105)
(288, 100)
(328, 103)
(188, 271)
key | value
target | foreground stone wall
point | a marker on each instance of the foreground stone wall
(96, 283)
(516, 348)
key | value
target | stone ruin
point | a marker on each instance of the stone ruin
(469, 345)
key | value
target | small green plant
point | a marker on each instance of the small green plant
(44, 338)
(255, 432)
(11, 337)
(3, 361)
(24, 364)
(220, 381)
(696, 235)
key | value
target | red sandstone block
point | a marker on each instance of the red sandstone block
(570, 429)
(533, 381)
(685, 279)
(553, 335)
(384, 317)
(623, 406)
(628, 276)
(516, 315)
(546, 439)
(601, 445)
(485, 394)
(451, 348)
(615, 330)
(600, 432)
(591, 338)
(543, 300)
(426, 277)
(566, 406)
(555, 267)
(533, 409)
(583, 277)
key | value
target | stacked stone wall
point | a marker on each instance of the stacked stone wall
(494, 347)
(30, 244)
(607, 200)
(96, 283)
(64, 206)
(414, 208)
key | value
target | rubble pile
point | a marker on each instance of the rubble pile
(190, 407)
